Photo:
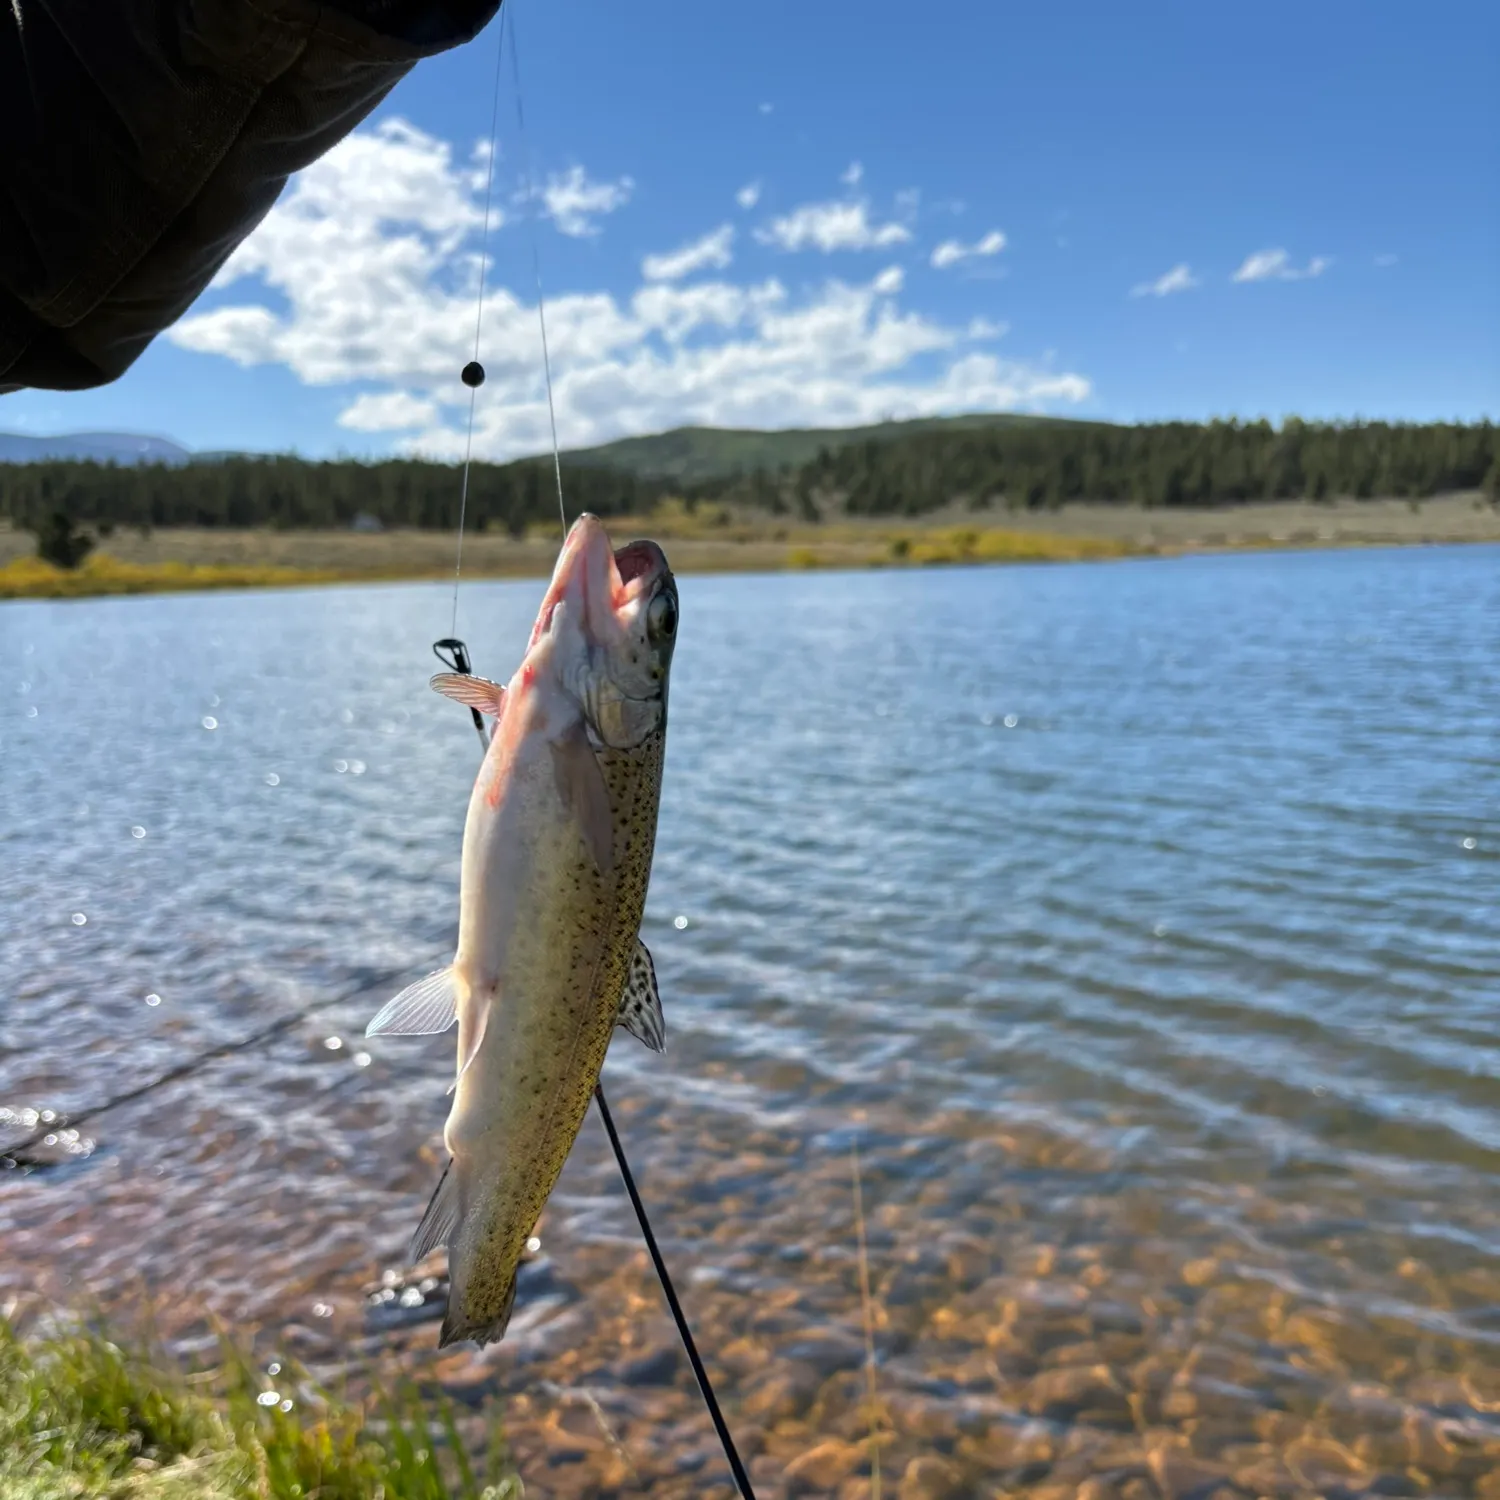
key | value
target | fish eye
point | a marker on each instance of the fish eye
(661, 617)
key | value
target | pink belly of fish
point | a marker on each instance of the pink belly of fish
(535, 933)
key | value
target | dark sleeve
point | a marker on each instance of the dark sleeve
(144, 139)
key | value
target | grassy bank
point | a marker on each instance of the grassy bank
(82, 1417)
(716, 539)
(341, 558)
(31, 578)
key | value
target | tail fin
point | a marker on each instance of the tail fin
(456, 1327)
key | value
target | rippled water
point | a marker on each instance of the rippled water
(1141, 921)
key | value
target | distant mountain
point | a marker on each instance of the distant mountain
(685, 455)
(101, 447)
(692, 454)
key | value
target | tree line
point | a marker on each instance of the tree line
(1016, 466)
(289, 493)
(1157, 464)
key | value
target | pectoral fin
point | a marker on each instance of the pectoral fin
(580, 783)
(440, 1220)
(421, 1009)
(478, 692)
(640, 1005)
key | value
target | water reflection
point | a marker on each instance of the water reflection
(1142, 919)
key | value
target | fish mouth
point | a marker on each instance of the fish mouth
(585, 575)
(598, 581)
(640, 559)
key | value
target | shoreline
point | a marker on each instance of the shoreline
(716, 541)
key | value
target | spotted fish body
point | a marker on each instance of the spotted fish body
(567, 965)
(557, 856)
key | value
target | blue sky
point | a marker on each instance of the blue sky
(791, 214)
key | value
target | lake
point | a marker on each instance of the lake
(1139, 922)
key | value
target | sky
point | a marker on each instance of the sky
(789, 215)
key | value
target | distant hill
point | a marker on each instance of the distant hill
(904, 470)
(101, 447)
(691, 455)
(685, 455)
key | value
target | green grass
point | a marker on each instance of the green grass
(84, 1418)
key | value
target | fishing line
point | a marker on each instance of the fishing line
(867, 1311)
(15, 1155)
(705, 1386)
(454, 654)
(536, 266)
(472, 373)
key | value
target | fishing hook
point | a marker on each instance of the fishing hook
(457, 660)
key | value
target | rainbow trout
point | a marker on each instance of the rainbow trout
(556, 857)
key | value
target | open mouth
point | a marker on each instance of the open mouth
(639, 560)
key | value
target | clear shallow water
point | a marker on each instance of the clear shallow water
(1143, 920)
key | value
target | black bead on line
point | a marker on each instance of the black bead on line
(472, 375)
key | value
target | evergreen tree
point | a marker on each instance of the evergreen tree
(1019, 466)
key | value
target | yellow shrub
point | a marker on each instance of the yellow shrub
(31, 578)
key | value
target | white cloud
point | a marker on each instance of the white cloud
(851, 174)
(391, 178)
(371, 260)
(748, 196)
(766, 109)
(388, 411)
(574, 201)
(247, 335)
(831, 226)
(982, 330)
(951, 252)
(1276, 265)
(1262, 266)
(710, 251)
(1385, 262)
(1179, 279)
